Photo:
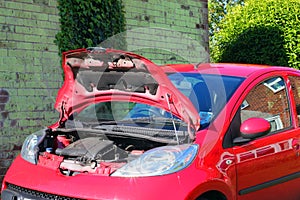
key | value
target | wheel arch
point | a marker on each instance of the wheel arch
(212, 195)
(213, 190)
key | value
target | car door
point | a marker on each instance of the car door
(268, 167)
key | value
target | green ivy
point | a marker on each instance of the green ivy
(90, 23)
(260, 32)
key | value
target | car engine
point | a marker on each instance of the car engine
(76, 151)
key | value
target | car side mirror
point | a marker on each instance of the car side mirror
(253, 128)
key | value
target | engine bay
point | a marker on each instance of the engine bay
(100, 151)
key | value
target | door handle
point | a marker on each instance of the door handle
(296, 146)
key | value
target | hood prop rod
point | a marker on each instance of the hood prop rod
(173, 120)
(63, 111)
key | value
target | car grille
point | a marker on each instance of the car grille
(37, 194)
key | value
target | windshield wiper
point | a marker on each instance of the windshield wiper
(148, 133)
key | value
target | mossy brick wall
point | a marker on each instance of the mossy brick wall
(30, 73)
(168, 31)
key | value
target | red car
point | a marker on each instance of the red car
(129, 129)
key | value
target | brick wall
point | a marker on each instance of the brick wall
(30, 73)
(168, 31)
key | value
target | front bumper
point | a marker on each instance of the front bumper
(21, 193)
(28, 181)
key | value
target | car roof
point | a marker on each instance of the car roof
(230, 69)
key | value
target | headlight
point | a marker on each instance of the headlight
(30, 147)
(159, 161)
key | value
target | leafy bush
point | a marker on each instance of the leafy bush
(260, 32)
(88, 23)
(217, 11)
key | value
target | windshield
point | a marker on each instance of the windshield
(208, 93)
(148, 121)
(120, 111)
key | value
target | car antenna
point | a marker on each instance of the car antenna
(173, 120)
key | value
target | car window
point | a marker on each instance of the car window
(295, 83)
(208, 93)
(106, 111)
(117, 110)
(268, 100)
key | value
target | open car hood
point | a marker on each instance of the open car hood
(96, 74)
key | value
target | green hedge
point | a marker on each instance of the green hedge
(89, 23)
(260, 32)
